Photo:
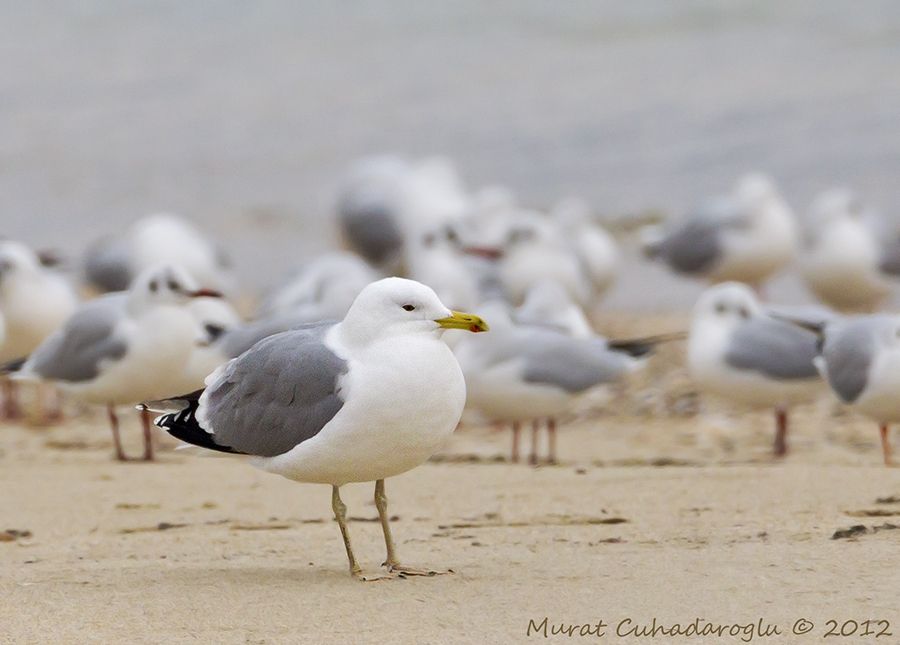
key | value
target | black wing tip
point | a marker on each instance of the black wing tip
(640, 347)
(183, 425)
(13, 366)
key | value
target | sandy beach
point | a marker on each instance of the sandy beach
(655, 512)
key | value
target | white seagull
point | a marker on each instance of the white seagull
(360, 400)
(111, 263)
(860, 360)
(34, 302)
(747, 236)
(848, 258)
(386, 199)
(529, 373)
(736, 350)
(124, 348)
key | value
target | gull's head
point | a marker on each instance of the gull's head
(16, 261)
(755, 189)
(395, 306)
(166, 285)
(727, 304)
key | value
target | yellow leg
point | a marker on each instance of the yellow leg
(340, 514)
(391, 561)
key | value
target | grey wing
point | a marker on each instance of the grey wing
(75, 352)
(774, 348)
(694, 247)
(237, 341)
(107, 266)
(572, 364)
(848, 353)
(277, 395)
(371, 230)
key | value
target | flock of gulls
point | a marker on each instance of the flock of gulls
(347, 374)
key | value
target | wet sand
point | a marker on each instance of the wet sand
(653, 512)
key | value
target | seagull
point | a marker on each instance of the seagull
(747, 236)
(111, 263)
(525, 247)
(738, 351)
(34, 301)
(386, 199)
(847, 260)
(528, 373)
(124, 348)
(364, 399)
(368, 206)
(860, 360)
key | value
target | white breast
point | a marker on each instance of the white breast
(403, 399)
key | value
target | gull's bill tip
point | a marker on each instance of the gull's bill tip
(461, 320)
(206, 293)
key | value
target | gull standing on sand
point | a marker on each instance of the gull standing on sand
(124, 348)
(860, 360)
(747, 236)
(360, 400)
(739, 352)
(848, 260)
(34, 302)
(529, 373)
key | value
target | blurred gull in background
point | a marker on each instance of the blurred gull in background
(124, 347)
(737, 351)
(385, 200)
(521, 373)
(111, 263)
(860, 360)
(849, 255)
(746, 236)
(535, 248)
(34, 301)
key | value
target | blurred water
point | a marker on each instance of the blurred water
(242, 115)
